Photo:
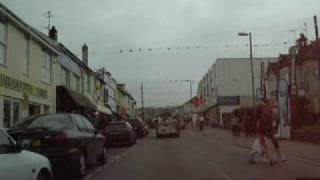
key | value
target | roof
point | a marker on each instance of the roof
(66, 51)
(23, 26)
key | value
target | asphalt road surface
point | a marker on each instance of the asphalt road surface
(194, 156)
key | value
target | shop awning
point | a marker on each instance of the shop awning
(104, 110)
(78, 99)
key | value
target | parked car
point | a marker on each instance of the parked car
(168, 128)
(68, 140)
(18, 164)
(119, 132)
(138, 127)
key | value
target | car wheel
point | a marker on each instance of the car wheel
(81, 166)
(44, 175)
(104, 156)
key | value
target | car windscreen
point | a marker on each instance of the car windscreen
(116, 127)
(53, 122)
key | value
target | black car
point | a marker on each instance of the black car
(119, 132)
(138, 127)
(69, 141)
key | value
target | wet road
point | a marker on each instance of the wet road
(194, 156)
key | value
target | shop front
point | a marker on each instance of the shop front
(19, 99)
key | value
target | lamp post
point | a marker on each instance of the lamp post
(251, 61)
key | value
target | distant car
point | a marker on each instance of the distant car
(138, 127)
(119, 132)
(68, 140)
(168, 128)
(18, 164)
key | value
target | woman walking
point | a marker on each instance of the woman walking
(260, 145)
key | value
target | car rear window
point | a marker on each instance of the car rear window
(54, 121)
(116, 126)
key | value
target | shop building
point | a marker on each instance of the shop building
(28, 70)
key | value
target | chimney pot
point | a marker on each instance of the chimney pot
(53, 33)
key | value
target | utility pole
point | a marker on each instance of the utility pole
(142, 106)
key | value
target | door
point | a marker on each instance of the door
(86, 137)
(13, 165)
(34, 110)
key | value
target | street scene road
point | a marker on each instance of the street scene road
(207, 155)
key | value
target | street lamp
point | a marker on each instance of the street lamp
(251, 61)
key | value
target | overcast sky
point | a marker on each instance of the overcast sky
(108, 26)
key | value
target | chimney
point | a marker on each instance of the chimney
(53, 34)
(85, 54)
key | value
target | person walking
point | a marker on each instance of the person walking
(261, 143)
(201, 123)
(269, 130)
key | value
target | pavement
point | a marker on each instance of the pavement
(209, 155)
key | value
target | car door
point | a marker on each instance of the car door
(96, 138)
(13, 165)
(86, 137)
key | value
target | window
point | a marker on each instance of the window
(26, 59)
(76, 83)
(65, 78)
(3, 43)
(106, 96)
(88, 83)
(46, 68)
(7, 114)
(46, 109)
(12, 112)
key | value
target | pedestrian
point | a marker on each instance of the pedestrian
(201, 123)
(269, 130)
(261, 143)
(194, 120)
(235, 123)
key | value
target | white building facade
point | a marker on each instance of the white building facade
(227, 86)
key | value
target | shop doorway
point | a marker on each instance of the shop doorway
(34, 110)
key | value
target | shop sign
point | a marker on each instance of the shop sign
(17, 85)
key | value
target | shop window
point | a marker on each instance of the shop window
(16, 112)
(7, 114)
(12, 112)
(3, 43)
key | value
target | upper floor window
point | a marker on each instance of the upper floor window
(26, 58)
(3, 43)
(88, 83)
(76, 83)
(46, 68)
(65, 77)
